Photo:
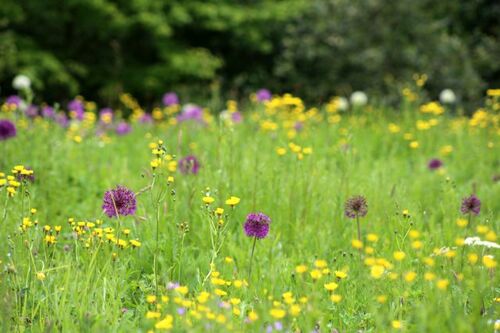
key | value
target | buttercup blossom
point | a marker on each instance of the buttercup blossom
(119, 201)
(471, 204)
(257, 225)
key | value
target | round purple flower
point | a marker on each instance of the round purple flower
(191, 112)
(471, 205)
(13, 100)
(170, 98)
(257, 225)
(77, 108)
(434, 164)
(356, 207)
(48, 112)
(31, 111)
(263, 95)
(7, 129)
(123, 128)
(146, 119)
(189, 164)
(119, 201)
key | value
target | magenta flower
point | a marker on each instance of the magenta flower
(170, 98)
(191, 112)
(434, 164)
(48, 112)
(123, 128)
(471, 205)
(7, 129)
(356, 207)
(257, 225)
(119, 201)
(263, 95)
(189, 164)
(13, 100)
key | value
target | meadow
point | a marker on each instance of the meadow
(270, 216)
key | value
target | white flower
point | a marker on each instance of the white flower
(21, 82)
(359, 98)
(447, 96)
(343, 104)
(476, 241)
(225, 115)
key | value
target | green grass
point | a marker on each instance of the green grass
(85, 289)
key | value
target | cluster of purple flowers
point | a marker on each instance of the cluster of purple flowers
(191, 112)
(471, 205)
(7, 129)
(189, 164)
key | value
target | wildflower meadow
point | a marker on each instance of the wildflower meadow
(270, 215)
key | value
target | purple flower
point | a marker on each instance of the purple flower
(356, 207)
(123, 128)
(263, 95)
(191, 112)
(278, 325)
(31, 111)
(7, 129)
(257, 225)
(146, 118)
(434, 164)
(13, 100)
(106, 115)
(31, 178)
(170, 98)
(181, 311)
(76, 106)
(48, 112)
(119, 201)
(189, 164)
(471, 205)
(172, 285)
(298, 126)
(62, 119)
(236, 117)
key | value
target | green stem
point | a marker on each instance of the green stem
(251, 258)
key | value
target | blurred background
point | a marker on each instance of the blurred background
(228, 48)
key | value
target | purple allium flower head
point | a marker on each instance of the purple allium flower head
(48, 112)
(263, 95)
(298, 126)
(257, 225)
(14, 100)
(170, 98)
(31, 111)
(77, 107)
(471, 205)
(189, 164)
(62, 119)
(146, 119)
(119, 201)
(434, 164)
(236, 117)
(7, 129)
(123, 128)
(356, 207)
(191, 112)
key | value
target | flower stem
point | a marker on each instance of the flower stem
(251, 258)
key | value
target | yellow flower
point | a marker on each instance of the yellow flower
(489, 261)
(301, 269)
(40, 276)
(331, 286)
(316, 274)
(166, 323)
(203, 297)
(340, 274)
(442, 284)
(219, 211)
(208, 200)
(335, 298)
(429, 276)
(462, 223)
(170, 179)
(414, 144)
(151, 298)
(281, 151)
(399, 255)
(320, 263)
(182, 290)
(135, 243)
(252, 316)
(396, 324)
(277, 313)
(381, 299)
(376, 271)
(152, 315)
(357, 244)
(220, 292)
(372, 238)
(472, 258)
(410, 276)
(232, 201)
(295, 310)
